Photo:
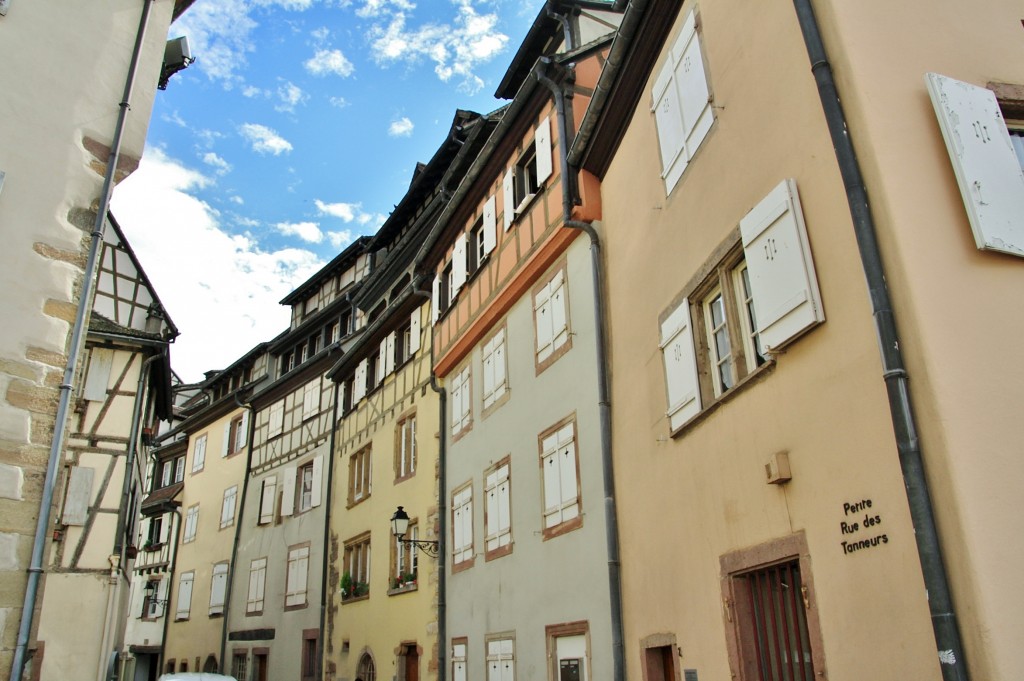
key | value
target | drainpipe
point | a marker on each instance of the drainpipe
(327, 530)
(603, 387)
(238, 532)
(172, 563)
(442, 508)
(78, 331)
(940, 602)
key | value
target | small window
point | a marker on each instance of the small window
(179, 469)
(305, 480)
(191, 522)
(152, 605)
(227, 507)
(276, 419)
(367, 669)
(501, 660)
(568, 651)
(199, 454)
(236, 434)
(476, 252)
(405, 448)
(155, 537)
(359, 476)
(495, 373)
(445, 294)
(311, 399)
(296, 578)
(240, 665)
(356, 577)
(498, 512)
(310, 656)
(459, 659)
(560, 480)
(218, 588)
(525, 183)
(257, 587)
(462, 527)
(405, 560)
(551, 319)
(403, 343)
(268, 500)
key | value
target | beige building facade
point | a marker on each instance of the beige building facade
(767, 527)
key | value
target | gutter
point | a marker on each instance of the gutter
(568, 176)
(327, 533)
(949, 647)
(75, 348)
(170, 581)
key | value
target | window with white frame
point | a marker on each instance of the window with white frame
(199, 454)
(462, 526)
(236, 434)
(227, 507)
(404, 558)
(551, 319)
(297, 574)
(268, 500)
(494, 369)
(359, 475)
(501, 661)
(523, 180)
(179, 469)
(405, 447)
(459, 659)
(305, 482)
(276, 419)
(191, 523)
(498, 513)
(460, 400)
(184, 603)
(257, 586)
(560, 480)
(681, 103)
(760, 296)
(218, 588)
(152, 605)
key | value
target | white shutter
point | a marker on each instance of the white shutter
(359, 388)
(435, 302)
(487, 380)
(414, 332)
(311, 398)
(98, 375)
(458, 266)
(552, 489)
(288, 492)
(782, 278)
(225, 446)
(567, 480)
(459, 662)
(268, 497)
(318, 476)
(165, 527)
(542, 318)
(499, 365)
(509, 197)
(490, 225)
(681, 379)
(559, 312)
(184, 595)
(242, 436)
(542, 146)
(389, 354)
(217, 588)
(986, 166)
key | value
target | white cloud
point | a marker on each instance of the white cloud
(265, 140)
(339, 102)
(252, 91)
(221, 290)
(237, 199)
(294, 5)
(326, 62)
(307, 231)
(290, 95)
(320, 34)
(345, 211)
(217, 163)
(456, 50)
(401, 128)
(340, 239)
(375, 8)
(219, 34)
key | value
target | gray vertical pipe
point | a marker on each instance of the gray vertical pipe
(944, 625)
(77, 335)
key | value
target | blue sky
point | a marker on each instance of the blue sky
(296, 130)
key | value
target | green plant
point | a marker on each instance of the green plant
(409, 577)
(346, 584)
(360, 589)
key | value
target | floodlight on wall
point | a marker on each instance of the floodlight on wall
(177, 56)
(400, 525)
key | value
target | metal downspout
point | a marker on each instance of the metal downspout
(604, 396)
(238, 533)
(77, 336)
(442, 508)
(173, 561)
(944, 625)
(327, 532)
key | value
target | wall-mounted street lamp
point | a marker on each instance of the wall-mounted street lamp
(400, 525)
(150, 591)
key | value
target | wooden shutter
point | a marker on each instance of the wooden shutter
(359, 387)
(318, 477)
(225, 446)
(782, 278)
(542, 147)
(268, 497)
(311, 398)
(459, 662)
(435, 302)
(984, 162)
(487, 378)
(559, 311)
(98, 376)
(499, 365)
(184, 595)
(218, 588)
(389, 353)
(79, 495)
(242, 436)
(458, 266)
(288, 492)
(681, 379)
(542, 319)
(509, 197)
(414, 332)
(490, 224)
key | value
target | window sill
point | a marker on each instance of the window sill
(498, 553)
(254, 613)
(526, 203)
(405, 588)
(496, 403)
(403, 478)
(289, 608)
(555, 355)
(354, 599)
(563, 528)
(464, 565)
(355, 502)
(753, 377)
